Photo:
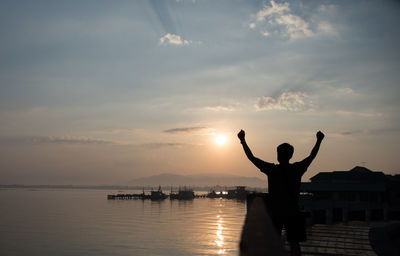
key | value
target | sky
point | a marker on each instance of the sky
(101, 92)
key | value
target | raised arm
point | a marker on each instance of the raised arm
(260, 164)
(307, 161)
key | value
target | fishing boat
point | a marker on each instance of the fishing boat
(158, 194)
(182, 194)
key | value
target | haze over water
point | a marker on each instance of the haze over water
(83, 222)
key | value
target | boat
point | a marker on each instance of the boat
(182, 194)
(239, 192)
(157, 194)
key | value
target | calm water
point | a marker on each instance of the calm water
(83, 222)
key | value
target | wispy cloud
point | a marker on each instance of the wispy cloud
(327, 28)
(156, 145)
(278, 18)
(51, 140)
(358, 113)
(379, 131)
(288, 101)
(220, 108)
(174, 40)
(351, 132)
(120, 131)
(197, 130)
(386, 130)
(295, 26)
(274, 9)
(346, 90)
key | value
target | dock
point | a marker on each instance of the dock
(337, 239)
(154, 195)
(238, 193)
(126, 196)
(342, 239)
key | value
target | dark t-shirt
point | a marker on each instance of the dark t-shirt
(284, 186)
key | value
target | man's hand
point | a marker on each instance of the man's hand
(241, 135)
(320, 136)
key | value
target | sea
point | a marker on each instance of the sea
(51, 222)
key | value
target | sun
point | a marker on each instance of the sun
(220, 140)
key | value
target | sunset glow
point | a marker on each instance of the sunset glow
(107, 93)
(220, 140)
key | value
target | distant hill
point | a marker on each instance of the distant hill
(169, 179)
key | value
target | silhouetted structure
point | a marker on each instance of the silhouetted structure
(258, 236)
(154, 195)
(357, 194)
(238, 193)
(182, 194)
(158, 194)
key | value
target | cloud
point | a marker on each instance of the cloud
(379, 131)
(347, 134)
(187, 130)
(327, 8)
(274, 9)
(296, 27)
(386, 130)
(360, 114)
(174, 40)
(279, 19)
(352, 132)
(120, 131)
(35, 140)
(265, 33)
(162, 145)
(288, 101)
(326, 28)
(220, 108)
(346, 90)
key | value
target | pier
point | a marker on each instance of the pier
(154, 195)
(339, 239)
(126, 196)
(238, 193)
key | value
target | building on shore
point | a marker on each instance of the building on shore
(239, 193)
(357, 194)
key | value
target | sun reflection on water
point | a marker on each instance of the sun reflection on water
(220, 238)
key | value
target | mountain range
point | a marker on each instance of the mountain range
(169, 179)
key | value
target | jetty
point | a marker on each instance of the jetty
(238, 193)
(125, 196)
(154, 195)
(339, 239)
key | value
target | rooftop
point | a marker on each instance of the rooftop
(358, 174)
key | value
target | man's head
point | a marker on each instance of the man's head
(285, 152)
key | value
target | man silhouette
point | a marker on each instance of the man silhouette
(284, 188)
